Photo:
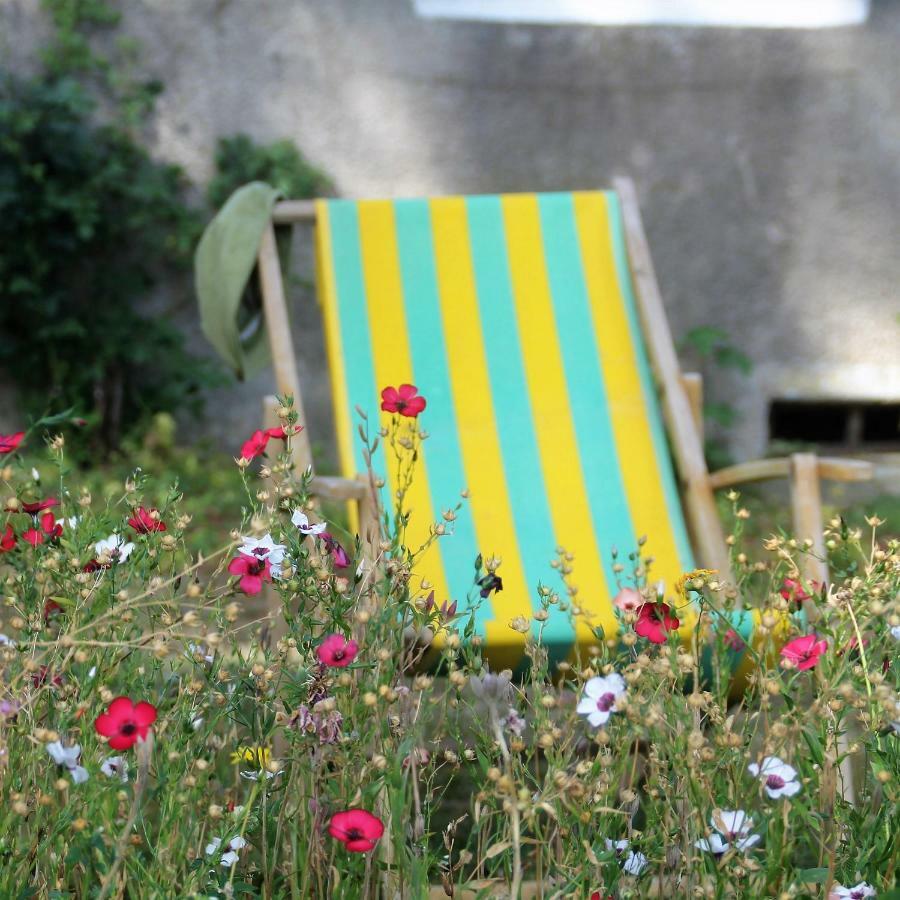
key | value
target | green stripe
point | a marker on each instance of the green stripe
(512, 409)
(651, 400)
(442, 451)
(588, 399)
(353, 316)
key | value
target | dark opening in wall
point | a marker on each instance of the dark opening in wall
(844, 423)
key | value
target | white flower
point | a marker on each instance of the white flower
(731, 828)
(265, 548)
(115, 547)
(6, 641)
(513, 722)
(67, 757)
(199, 651)
(253, 774)
(895, 633)
(857, 892)
(92, 672)
(35, 474)
(64, 756)
(598, 702)
(633, 862)
(779, 778)
(301, 520)
(115, 767)
(230, 857)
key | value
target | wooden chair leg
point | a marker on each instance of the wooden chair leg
(806, 499)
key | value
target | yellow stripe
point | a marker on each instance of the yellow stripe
(557, 442)
(393, 366)
(631, 425)
(327, 292)
(479, 441)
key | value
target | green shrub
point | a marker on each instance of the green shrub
(240, 160)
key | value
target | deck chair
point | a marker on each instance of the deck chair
(533, 324)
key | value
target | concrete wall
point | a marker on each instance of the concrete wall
(768, 162)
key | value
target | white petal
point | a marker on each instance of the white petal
(745, 843)
(229, 858)
(731, 820)
(753, 769)
(635, 863)
(236, 843)
(213, 845)
(598, 717)
(586, 705)
(79, 774)
(594, 687)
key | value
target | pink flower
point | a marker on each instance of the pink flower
(628, 600)
(792, 589)
(259, 441)
(253, 571)
(734, 640)
(338, 553)
(8, 539)
(357, 829)
(403, 400)
(10, 442)
(125, 722)
(337, 651)
(655, 621)
(144, 520)
(804, 652)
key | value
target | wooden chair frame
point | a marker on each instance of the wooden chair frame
(681, 396)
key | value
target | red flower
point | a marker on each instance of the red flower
(34, 508)
(338, 553)
(357, 829)
(8, 539)
(734, 640)
(804, 652)
(43, 674)
(253, 572)
(259, 441)
(10, 442)
(125, 722)
(50, 529)
(146, 520)
(51, 610)
(337, 651)
(793, 590)
(403, 400)
(655, 621)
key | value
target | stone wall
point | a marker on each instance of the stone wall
(767, 162)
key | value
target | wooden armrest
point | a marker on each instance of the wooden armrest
(332, 487)
(832, 467)
(289, 211)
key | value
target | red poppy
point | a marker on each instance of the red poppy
(404, 400)
(146, 520)
(804, 652)
(655, 621)
(338, 553)
(125, 722)
(50, 529)
(253, 571)
(337, 651)
(792, 589)
(39, 506)
(10, 442)
(357, 829)
(8, 539)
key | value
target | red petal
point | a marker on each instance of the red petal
(144, 713)
(251, 585)
(390, 395)
(105, 725)
(120, 708)
(122, 741)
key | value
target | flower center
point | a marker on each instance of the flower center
(775, 781)
(128, 728)
(354, 834)
(338, 654)
(605, 702)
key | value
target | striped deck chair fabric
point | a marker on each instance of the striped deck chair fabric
(516, 318)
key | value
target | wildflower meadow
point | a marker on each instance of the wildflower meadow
(294, 712)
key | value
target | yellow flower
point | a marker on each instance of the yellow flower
(701, 574)
(258, 755)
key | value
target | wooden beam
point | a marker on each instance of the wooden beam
(709, 537)
(278, 328)
(289, 212)
(693, 386)
(833, 468)
(331, 487)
